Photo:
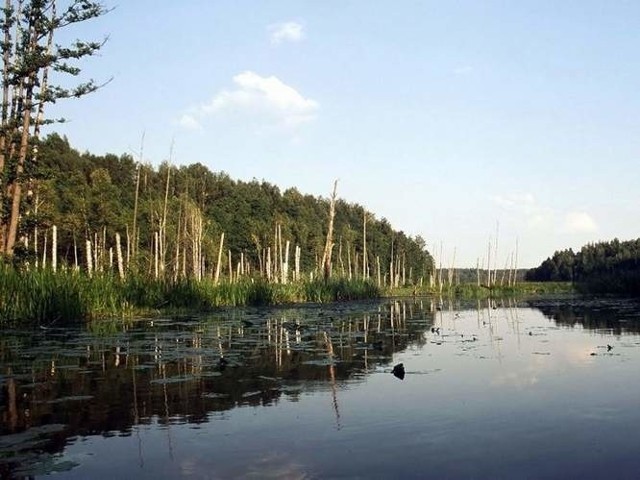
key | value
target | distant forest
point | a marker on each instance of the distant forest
(600, 267)
(181, 214)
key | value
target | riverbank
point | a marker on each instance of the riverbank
(472, 290)
(45, 297)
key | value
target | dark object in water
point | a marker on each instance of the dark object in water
(222, 363)
(398, 371)
(247, 323)
(609, 348)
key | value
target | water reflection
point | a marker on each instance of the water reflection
(61, 386)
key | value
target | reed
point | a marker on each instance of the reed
(47, 297)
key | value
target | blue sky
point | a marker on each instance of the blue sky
(447, 118)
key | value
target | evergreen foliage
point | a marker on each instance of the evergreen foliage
(33, 68)
(599, 267)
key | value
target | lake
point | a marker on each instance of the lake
(546, 388)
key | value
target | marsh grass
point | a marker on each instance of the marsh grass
(45, 297)
(472, 290)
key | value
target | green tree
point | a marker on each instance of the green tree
(30, 57)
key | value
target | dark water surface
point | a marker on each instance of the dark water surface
(544, 389)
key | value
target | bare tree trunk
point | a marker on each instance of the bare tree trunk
(35, 241)
(340, 257)
(89, 258)
(404, 270)
(489, 265)
(364, 245)
(280, 256)
(54, 248)
(155, 254)
(495, 260)
(163, 227)
(119, 257)
(128, 246)
(134, 233)
(515, 273)
(285, 265)
(75, 253)
(16, 193)
(217, 277)
(391, 272)
(44, 251)
(328, 247)
(275, 254)
(96, 265)
(268, 264)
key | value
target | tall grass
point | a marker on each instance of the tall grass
(46, 297)
(472, 290)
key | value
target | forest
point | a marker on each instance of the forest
(188, 221)
(612, 266)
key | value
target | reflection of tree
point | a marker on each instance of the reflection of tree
(170, 371)
(616, 315)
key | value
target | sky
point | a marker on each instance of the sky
(460, 121)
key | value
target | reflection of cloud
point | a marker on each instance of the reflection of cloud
(579, 354)
(276, 466)
(519, 380)
(266, 100)
(579, 222)
(285, 32)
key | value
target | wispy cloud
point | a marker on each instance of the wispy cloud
(285, 32)
(189, 122)
(538, 217)
(267, 101)
(525, 205)
(579, 222)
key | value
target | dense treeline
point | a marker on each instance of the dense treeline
(171, 220)
(600, 267)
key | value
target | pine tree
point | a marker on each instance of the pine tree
(30, 57)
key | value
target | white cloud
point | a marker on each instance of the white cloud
(265, 101)
(189, 122)
(516, 201)
(285, 32)
(579, 222)
(525, 205)
(540, 217)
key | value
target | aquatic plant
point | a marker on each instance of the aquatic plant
(46, 297)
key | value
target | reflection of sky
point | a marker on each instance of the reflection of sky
(525, 399)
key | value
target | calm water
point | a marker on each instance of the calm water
(545, 389)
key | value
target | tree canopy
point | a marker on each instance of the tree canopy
(87, 195)
(612, 266)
